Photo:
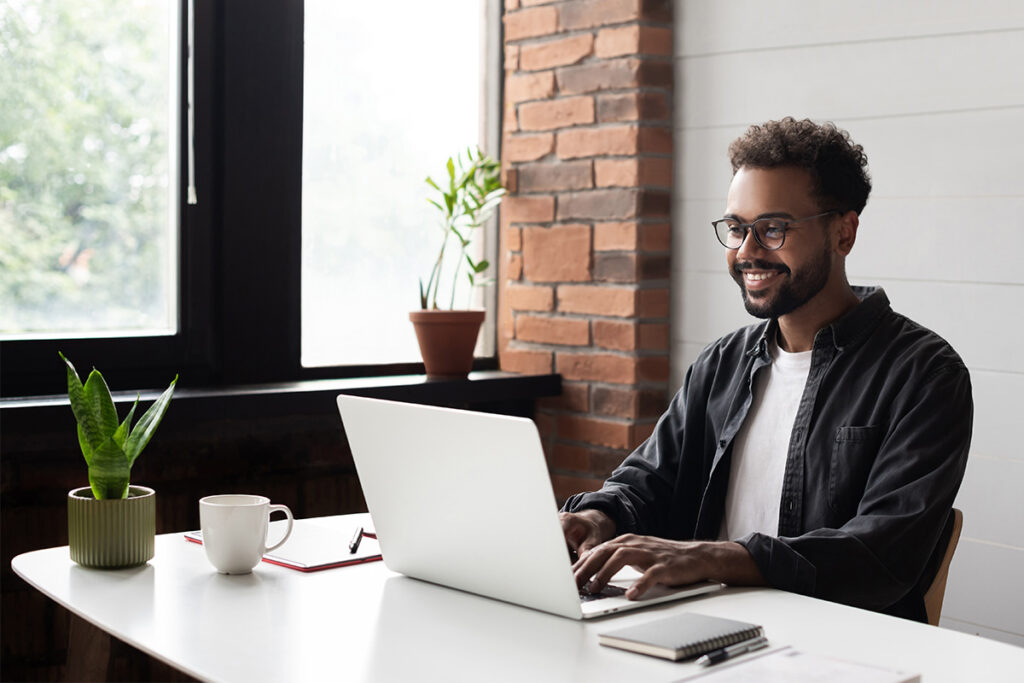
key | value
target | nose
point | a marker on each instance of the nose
(750, 249)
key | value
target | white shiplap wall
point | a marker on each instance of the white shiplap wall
(934, 90)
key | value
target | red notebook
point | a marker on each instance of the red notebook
(313, 547)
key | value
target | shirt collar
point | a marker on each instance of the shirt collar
(849, 329)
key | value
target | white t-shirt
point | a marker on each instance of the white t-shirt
(762, 445)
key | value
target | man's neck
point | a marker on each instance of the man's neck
(798, 328)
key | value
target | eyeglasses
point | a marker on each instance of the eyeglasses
(770, 233)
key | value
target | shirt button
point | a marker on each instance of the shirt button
(790, 505)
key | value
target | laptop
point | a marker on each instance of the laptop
(463, 499)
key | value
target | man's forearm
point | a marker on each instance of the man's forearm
(730, 563)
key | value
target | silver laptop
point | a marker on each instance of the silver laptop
(463, 499)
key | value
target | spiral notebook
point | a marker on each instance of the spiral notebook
(681, 636)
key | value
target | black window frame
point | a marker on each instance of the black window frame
(240, 245)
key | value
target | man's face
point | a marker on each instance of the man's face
(778, 282)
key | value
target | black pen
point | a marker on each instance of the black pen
(353, 545)
(732, 651)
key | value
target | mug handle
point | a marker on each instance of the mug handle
(288, 532)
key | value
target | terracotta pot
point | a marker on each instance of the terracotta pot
(112, 533)
(447, 340)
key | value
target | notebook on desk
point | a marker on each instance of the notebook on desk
(464, 500)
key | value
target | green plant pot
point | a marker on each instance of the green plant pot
(112, 533)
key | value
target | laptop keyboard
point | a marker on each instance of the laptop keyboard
(606, 592)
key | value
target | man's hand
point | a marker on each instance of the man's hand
(670, 563)
(585, 529)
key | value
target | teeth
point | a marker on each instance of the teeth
(759, 276)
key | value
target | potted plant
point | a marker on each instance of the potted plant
(467, 199)
(110, 523)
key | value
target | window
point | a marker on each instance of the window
(385, 104)
(88, 149)
(234, 311)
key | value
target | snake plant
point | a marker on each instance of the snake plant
(110, 448)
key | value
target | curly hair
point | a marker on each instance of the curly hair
(838, 167)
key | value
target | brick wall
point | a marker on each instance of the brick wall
(585, 230)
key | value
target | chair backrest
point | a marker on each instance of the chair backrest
(933, 596)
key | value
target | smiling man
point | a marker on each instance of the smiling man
(818, 451)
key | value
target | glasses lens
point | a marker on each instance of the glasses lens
(730, 233)
(770, 233)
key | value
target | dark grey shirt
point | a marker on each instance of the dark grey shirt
(877, 454)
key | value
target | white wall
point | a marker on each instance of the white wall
(934, 91)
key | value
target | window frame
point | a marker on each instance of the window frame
(240, 245)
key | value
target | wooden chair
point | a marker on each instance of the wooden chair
(933, 596)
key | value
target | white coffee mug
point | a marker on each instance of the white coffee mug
(235, 530)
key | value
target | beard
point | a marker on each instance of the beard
(802, 286)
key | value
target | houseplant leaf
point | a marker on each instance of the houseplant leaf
(109, 471)
(97, 393)
(88, 422)
(122, 430)
(150, 420)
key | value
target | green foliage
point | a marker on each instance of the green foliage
(84, 167)
(110, 449)
(469, 196)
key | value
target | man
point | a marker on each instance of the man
(817, 452)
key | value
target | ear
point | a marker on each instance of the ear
(845, 231)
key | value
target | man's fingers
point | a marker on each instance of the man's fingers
(652, 577)
(622, 556)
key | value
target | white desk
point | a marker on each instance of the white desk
(364, 623)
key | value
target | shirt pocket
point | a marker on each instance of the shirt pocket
(853, 454)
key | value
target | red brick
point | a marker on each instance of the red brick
(561, 52)
(547, 426)
(613, 434)
(526, 362)
(515, 267)
(654, 267)
(647, 171)
(556, 330)
(513, 239)
(529, 23)
(641, 432)
(591, 13)
(564, 175)
(597, 367)
(575, 397)
(651, 303)
(566, 457)
(531, 86)
(653, 368)
(509, 119)
(565, 486)
(615, 236)
(655, 140)
(534, 3)
(634, 106)
(511, 58)
(599, 204)
(654, 203)
(654, 236)
(655, 73)
(560, 113)
(634, 39)
(588, 142)
(616, 402)
(557, 254)
(520, 209)
(511, 5)
(651, 336)
(613, 74)
(528, 147)
(612, 334)
(530, 298)
(614, 266)
(604, 461)
(510, 179)
(597, 300)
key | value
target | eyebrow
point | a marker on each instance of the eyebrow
(771, 214)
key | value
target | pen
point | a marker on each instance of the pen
(732, 651)
(353, 545)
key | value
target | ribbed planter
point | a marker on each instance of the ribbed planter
(447, 340)
(112, 533)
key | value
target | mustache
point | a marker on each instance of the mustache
(757, 264)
